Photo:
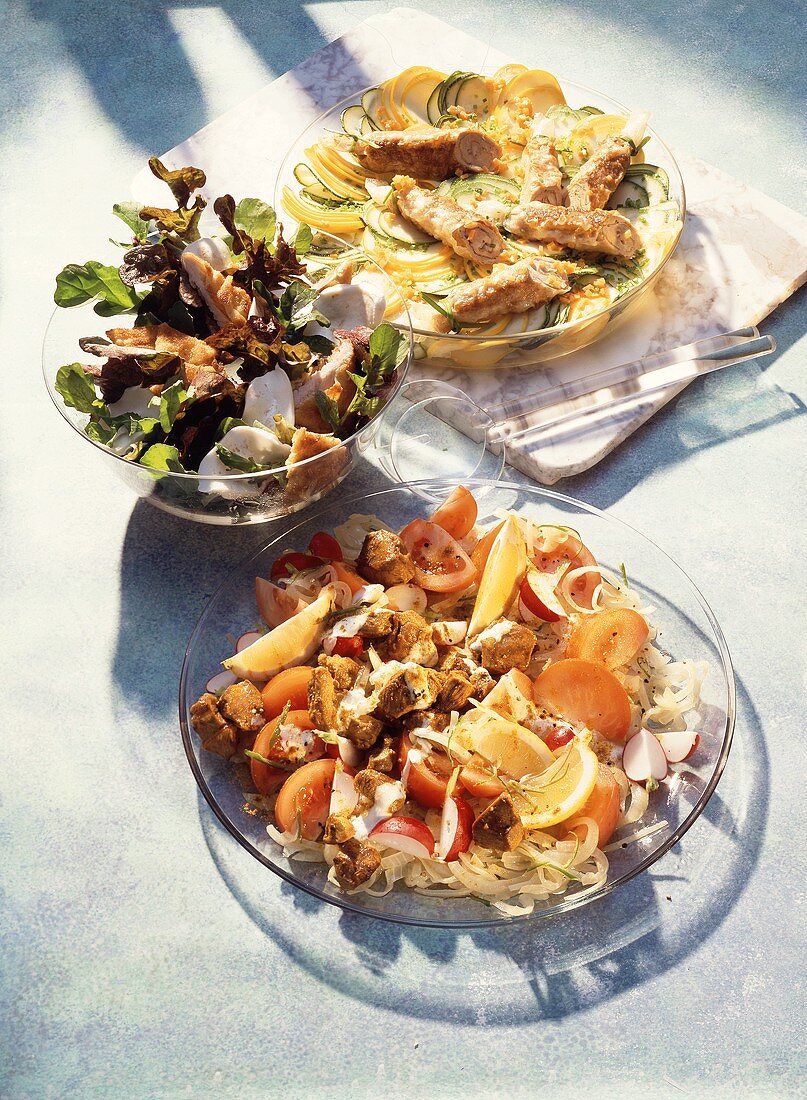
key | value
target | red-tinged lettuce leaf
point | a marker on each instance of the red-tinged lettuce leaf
(144, 263)
(182, 181)
(182, 223)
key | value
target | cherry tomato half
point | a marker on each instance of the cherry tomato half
(348, 647)
(293, 562)
(325, 546)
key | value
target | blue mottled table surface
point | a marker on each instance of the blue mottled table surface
(141, 952)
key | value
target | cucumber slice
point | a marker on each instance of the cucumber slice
(484, 185)
(370, 102)
(450, 88)
(353, 119)
(380, 192)
(387, 223)
(308, 179)
(653, 179)
(433, 111)
(631, 194)
(474, 96)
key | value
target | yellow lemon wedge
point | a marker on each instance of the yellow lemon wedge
(504, 572)
(562, 789)
(291, 643)
(511, 748)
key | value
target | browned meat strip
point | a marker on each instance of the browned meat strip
(600, 176)
(355, 863)
(427, 154)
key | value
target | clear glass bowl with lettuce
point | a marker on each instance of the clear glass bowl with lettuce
(228, 374)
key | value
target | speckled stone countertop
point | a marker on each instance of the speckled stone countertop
(141, 952)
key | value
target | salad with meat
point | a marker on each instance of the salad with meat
(246, 353)
(455, 709)
(497, 206)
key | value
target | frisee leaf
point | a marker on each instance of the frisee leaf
(79, 283)
(76, 388)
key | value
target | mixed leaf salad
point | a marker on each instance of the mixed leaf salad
(242, 352)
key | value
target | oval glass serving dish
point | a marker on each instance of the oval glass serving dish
(228, 498)
(523, 340)
(687, 629)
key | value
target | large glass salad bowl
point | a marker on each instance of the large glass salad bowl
(321, 183)
(688, 628)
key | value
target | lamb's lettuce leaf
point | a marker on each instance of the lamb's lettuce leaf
(79, 283)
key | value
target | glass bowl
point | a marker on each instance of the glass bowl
(244, 498)
(475, 350)
(688, 629)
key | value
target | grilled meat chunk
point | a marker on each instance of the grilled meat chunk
(322, 699)
(344, 670)
(368, 781)
(499, 827)
(384, 559)
(378, 625)
(383, 758)
(481, 680)
(355, 863)
(435, 719)
(457, 689)
(506, 645)
(410, 688)
(217, 735)
(338, 829)
(410, 639)
(362, 730)
(242, 705)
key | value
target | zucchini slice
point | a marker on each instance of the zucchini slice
(389, 224)
(313, 185)
(476, 96)
(370, 103)
(353, 120)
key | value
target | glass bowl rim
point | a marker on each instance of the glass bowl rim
(575, 901)
(193, 476)
(530, 334)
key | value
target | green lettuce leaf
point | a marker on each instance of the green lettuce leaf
(301, 241)
(172, 399)
(76, 388)
(256, 218)
(328, 409)
(161, 456)
(238, 462)
(79, 283)
(129, 214)
(385, 354)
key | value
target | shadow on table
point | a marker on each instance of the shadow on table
(545, 969)
(135, 59)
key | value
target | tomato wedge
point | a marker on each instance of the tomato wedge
(323, 545)
(457, 514)
(405, 834)
(289, 686)
(305, 797)
(293, 562)
(602, 806)
(427, 779)
(555, 547)
(271, 747)
(613, 637)
(441, 565)
(349, 575)
(479, 783)
(586, 692)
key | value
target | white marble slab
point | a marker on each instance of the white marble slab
(741, 253)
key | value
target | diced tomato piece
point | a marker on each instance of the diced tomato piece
(441, 565)
(268, 745)
(348, 647)
(479, 783)
(293, 562)
(323, 545)
(428, 779)
(557, 738)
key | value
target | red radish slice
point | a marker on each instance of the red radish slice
(246, 640)
(643, 758)
(221, 681)
(405, 834)
(537, 593)
(679, 746)
(406, 597)
(455, 828)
